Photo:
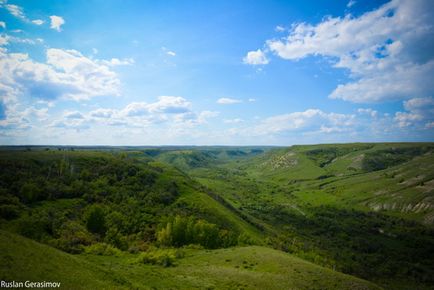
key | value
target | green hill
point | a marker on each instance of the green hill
(349, 206)
(366, 210)
(246, 267)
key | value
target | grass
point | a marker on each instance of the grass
(316, 201)
(22, 259)
(250, 267)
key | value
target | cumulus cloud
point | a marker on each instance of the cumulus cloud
(3, 24)
(171, 110)
(38, 21)
(308, 120)
(117, 61)
(389, 51)
(256, 57)
(419, 111)
(228, 101)
(205, 115)
(368, 111)
(164, 105)
(102, 113)
(170, 105)
(73, 115)
(56, 22)
(66, 73)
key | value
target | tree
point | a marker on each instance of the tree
(95, 220)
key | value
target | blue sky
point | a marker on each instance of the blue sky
(216, 72)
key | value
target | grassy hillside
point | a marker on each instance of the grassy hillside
(349, 206)
(362, 209)
(245, 267)
(22, 259)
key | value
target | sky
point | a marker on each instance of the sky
(234, 72)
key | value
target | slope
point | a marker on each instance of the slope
(244, 267)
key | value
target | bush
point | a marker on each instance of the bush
(9, 211)
(185, 230)
(95, 220)
(163, 257)
(102, 249)
(73, 238)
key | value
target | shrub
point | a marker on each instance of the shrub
(163, 257)
(9, 211)
(95, 220)
(185, 230)
(102, 249)
(73, 238)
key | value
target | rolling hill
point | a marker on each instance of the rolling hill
(366, 210)
(242, 267)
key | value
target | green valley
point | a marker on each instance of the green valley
(333, 216)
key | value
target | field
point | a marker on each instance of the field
(303, 217)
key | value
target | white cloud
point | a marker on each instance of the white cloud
(3, 24)
(168, 51)
(351, 3)
(419, 110)
(118, 62)
(169, 110)
(279, 28)
(252, 100)
(228, 101)
(233, 121)
(368, 111)
(388, 51)
(39, 114)
(16, 11)
(94, 51)
(429, 125)
(102, 113)
(164, 105)
(73, 115)
(56, 22)
(4, 39)
(67, 74)
(205, 115)
(256, 57)
(309, 120)
(170, 105)
(135, 109)
(38, 21)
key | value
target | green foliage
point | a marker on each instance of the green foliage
(186, 230)
(102, 249)
(72, 238)
(163, 257)
(383, 159)
(95, 219)
(324, 156)
(122, 200)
